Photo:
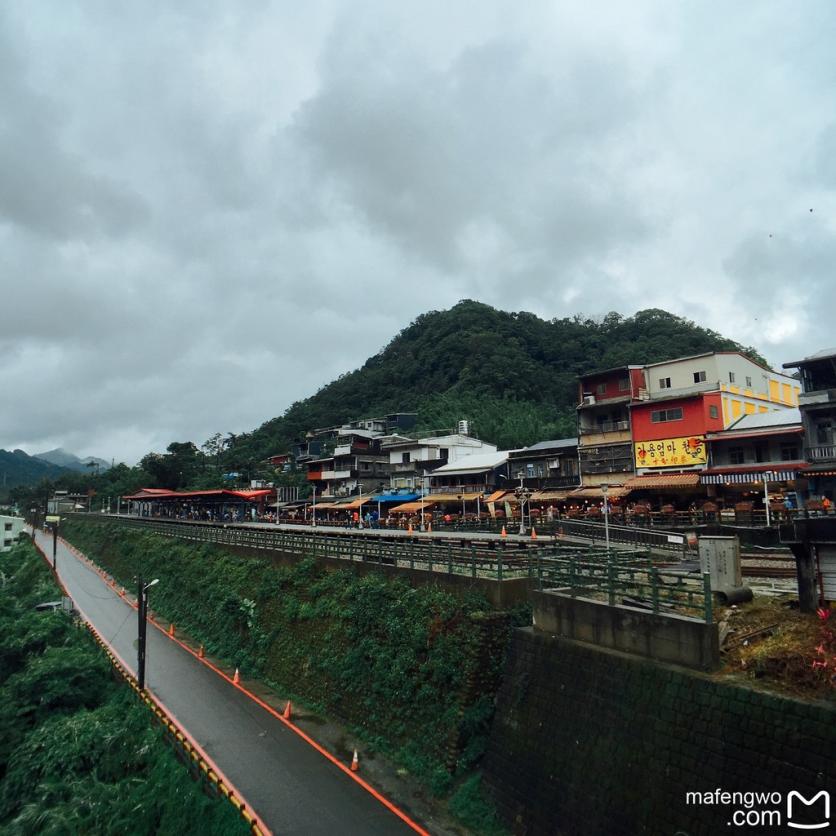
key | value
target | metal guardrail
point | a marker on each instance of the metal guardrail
(619, 576)
(633, 582)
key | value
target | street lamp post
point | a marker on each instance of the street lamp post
(604, 488)
(142, 616)
(523, 496)
(313, 509)
(423, 527)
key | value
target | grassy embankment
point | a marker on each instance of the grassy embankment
(396, 664)
(78, 752)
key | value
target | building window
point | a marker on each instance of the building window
(748, 382)
(664, 383)
(660, 416)
(624, 384)
(7, 544)
(737, 455)
(761, 453)
(8, 527)
(699, 377)
(789, 453)
(713, 411)
(601, 389)
(823, 432)
(731, 377)
(406, 458)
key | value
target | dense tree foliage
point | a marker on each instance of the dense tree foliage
(78, 752)
(512, 375)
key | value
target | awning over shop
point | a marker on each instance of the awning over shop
(496, 496)
(549, 496)
(395, 497)
(413, 507)
(220, 494)
(615, 492)
(738, 477)
(456, 497)
(657, 481)
(354, 504)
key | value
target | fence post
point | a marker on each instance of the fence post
(709, 601)
(539, 572)
(611, 577)
(499, 567)
(472, 560)
(449, 559)
(654, 588)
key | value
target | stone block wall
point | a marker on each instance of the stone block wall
(593, 741)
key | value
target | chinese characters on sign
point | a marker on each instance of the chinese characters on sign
(669, 452)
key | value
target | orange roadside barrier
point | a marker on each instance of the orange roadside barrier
(237, 678)
(355, 762)
(286, 713)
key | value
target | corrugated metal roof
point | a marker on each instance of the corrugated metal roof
(764, 420)
(474, 463)
(550, 445)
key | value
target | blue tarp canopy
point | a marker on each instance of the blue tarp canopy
(395, 497)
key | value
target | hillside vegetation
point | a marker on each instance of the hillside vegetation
(513, 375)
(78, 752)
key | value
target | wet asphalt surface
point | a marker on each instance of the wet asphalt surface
(291, 786)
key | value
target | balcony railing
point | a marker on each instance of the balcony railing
(823, 452)
(605, 427)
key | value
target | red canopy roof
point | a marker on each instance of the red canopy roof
(161, 494)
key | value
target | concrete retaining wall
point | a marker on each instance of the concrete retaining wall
(589, 741)
(667, 638)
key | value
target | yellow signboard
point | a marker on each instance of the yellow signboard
(53, 518)
(671, 452)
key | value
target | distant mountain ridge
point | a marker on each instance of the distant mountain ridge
(63, 458)
(513, 375)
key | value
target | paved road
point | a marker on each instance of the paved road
(290, 785)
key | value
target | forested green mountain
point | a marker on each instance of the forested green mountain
(18, 468)
(513, 375)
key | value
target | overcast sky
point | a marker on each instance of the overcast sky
(209, 210)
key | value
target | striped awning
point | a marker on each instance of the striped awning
(747, 478)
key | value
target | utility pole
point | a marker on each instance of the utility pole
(142, 617)
(55, 545)
(141, 626)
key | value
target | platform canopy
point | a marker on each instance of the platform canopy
(220, 495)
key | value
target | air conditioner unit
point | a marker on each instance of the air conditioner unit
(588, 400)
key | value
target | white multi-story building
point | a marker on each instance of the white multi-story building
(10, 530)
(410, 459)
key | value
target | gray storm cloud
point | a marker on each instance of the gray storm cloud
(192, 200)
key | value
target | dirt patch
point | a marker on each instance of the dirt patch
(769, 640)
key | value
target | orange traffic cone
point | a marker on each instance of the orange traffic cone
(201, 653)
(503, 533)
(286, 713)
(409, 529)
(430, 527)
(533, 533)
(355, 762)
(171, 629)
(237, 678)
